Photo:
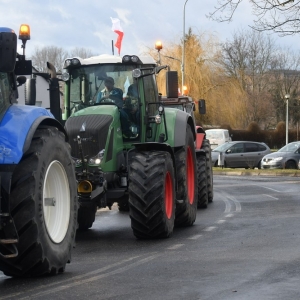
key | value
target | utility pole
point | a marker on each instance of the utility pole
(287, 97)
(183, 48)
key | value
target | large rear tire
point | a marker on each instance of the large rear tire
(43, 204)
(152, 195)
(185, 159)
(210, 183)
(202, 182)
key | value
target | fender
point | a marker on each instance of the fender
(180, 119)
(17, 129)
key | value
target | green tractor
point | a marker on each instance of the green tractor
(130, 147)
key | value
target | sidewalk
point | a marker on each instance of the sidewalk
(256, 172)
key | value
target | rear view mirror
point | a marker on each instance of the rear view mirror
(8, 50)
(30, 91)
(201, 107)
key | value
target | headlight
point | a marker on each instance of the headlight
(131, 59)
(65, 76)
(278, 158)
(157, 119)
(96, 160)
(75, 61)
(69, 62)
(136, 73)
(77, 161)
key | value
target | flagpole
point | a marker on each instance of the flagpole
(112, 47)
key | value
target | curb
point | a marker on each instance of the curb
(242, 173)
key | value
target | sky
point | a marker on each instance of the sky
(76, 23)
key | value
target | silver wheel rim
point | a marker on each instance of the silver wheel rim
(56, 201)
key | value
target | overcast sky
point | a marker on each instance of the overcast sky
(77, 23)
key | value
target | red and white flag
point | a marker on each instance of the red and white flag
(116, 27)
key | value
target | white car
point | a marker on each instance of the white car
(217, 137)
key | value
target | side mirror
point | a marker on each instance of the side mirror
(201, 107)
(21, 80)
(30, 91)
(8, 50)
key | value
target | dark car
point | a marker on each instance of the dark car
(240, 154)
(286, 157)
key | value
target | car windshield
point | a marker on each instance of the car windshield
(222, 147)
(292, 147)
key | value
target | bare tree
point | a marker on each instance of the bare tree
(285, 79)
(281, 16)
(56, 56)
(81, 52)
(247, 58)
(52, 54)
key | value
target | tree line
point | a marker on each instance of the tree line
(55, 55)
(243, 80)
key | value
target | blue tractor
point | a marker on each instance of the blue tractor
(38, 196)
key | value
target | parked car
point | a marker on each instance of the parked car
(240, 154)
(217, 137)
(286, 157)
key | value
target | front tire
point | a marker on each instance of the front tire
(123, 204)
(152, 195)
(291, 165)
(86, 215)
(43, 204)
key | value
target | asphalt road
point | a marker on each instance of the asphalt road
(244, 246)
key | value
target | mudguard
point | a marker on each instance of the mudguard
(17, 128)
(176, 124)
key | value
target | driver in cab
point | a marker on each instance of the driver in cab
(110, 93)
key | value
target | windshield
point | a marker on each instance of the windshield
(4, 92)
(292, 147)
(222, 147)
(101, 83)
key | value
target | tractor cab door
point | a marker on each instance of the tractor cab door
(149, 96)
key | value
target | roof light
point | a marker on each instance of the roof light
(185, 89)
(134, 58)
(158, 45)
(75, 61)
(24, 32)
(131, 59)
(126, 58)
(71, 62)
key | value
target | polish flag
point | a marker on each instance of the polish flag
(116, 27)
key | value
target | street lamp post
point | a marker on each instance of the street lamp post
(183, 47)
(287, 97)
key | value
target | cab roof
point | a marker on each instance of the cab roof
(108, 58)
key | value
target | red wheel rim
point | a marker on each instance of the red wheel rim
(169, 195)
(190, 176)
